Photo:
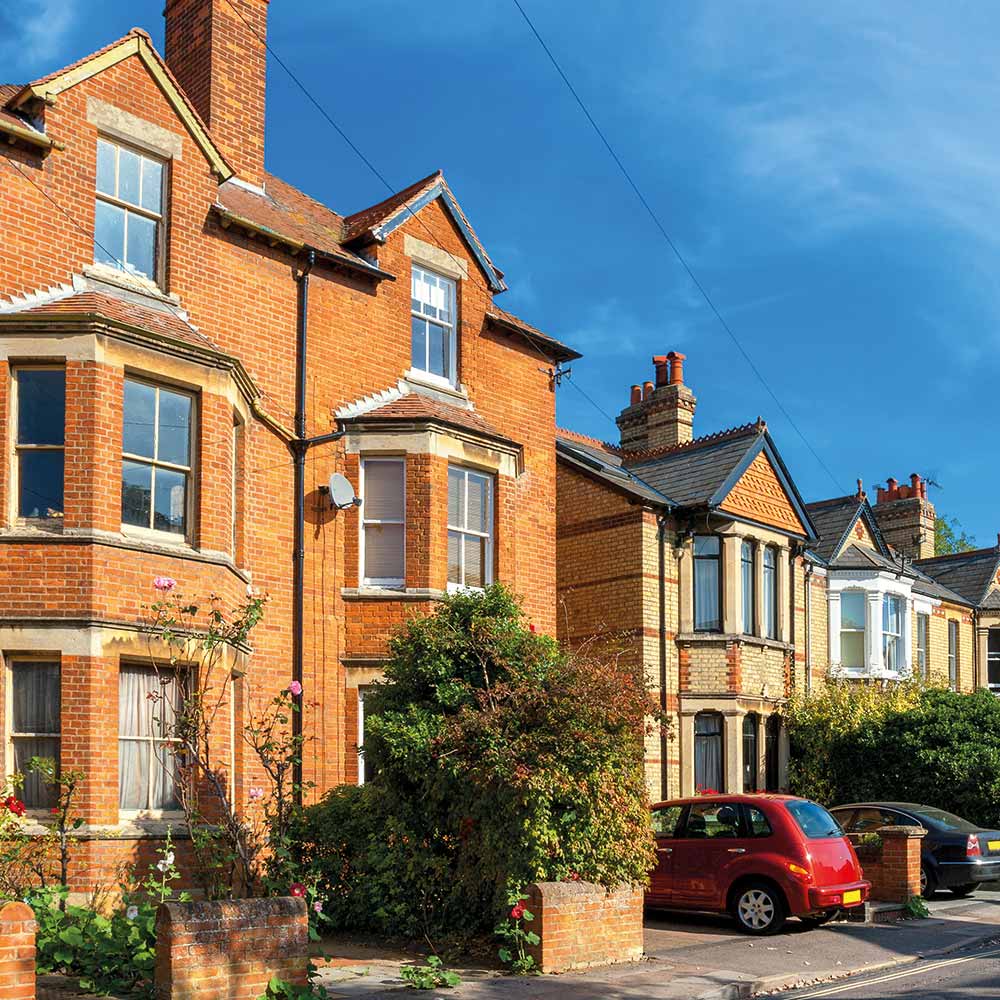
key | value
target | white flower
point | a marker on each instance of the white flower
(132, 912)
(166, 862)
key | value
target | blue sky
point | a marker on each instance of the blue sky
(830, 172)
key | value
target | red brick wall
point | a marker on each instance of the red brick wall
(894, 868)
(229, 950)
(17, 952)
(581, 924)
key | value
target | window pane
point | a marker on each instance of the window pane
(140, 253)
(384, 552)
(128, 175)
(41, 406)
(437, 350)
(454, 557)
(852, 649)
(419, 343)
(170, 501)
(708, 752)
(475, 561)
(140, 412)
(994, 640)
(456, 498)
(478, 503)
(174, 441)
(706, 594)
(105, 167)
(706, 545)
(36, 697)
(137, 493)
(852, 610)
(383, 499)
(152, 185)
(40, 483)
(109, 234)
(36, 793)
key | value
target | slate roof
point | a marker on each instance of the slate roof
(161, 322)
(415, 406)
(603, 462)
(833, 519)
(693, 473)
(968, 573)
(862, 557)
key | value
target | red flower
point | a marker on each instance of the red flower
(296, 889)
(517, 912)
(54, 810)
(14, 805)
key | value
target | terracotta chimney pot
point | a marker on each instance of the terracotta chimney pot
(676, 360)
(636, 394)
(661, 365)
(647, 390)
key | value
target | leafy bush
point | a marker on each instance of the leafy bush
(498, 761)
(431, 976)
(858, 742)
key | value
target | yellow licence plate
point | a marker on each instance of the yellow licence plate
(854, 896)
(993, 845)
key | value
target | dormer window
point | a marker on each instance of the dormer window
(128, 211)
(432, 304)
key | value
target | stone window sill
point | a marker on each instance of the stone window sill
(724, 638)
(389, 594)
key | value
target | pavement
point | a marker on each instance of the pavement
(699, 957)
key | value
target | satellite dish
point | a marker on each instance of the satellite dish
(342, 492)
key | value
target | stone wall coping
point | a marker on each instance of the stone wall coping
(220, 909)
(14, 911)
(901, 831)
(568, 890)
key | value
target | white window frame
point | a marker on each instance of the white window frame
(454, 586)
(842, 628)
(875, 586)
(159, 218)
(954, 649)
(144, 531)
(18, 449)
(386, 582)
(131, 814)
(893, 639)
(748, 596)
(9, 662)
(361, 735)
(771, 594)
(991, 658)
(422, 372)
(922, 652)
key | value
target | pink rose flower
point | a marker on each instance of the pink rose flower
(256, 794)
(295, 688)
(164, 584)
(318, 906)
(517, 912)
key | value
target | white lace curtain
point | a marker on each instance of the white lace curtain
(147, 707)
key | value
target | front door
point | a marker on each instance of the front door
(711, 841)
(666, 820)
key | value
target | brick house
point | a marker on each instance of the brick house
(699, 557)
(188, 346)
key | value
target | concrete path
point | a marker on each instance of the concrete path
(696, 957)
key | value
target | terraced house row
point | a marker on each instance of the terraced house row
(700, 557)
(189, 348)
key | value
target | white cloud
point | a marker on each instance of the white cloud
(32, 35)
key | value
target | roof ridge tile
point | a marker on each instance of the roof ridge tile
(757, 426)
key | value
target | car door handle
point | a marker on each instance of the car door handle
(737, 850)
(664, 850)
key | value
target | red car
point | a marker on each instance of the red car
(761, 858)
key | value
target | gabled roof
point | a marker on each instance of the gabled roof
(551, 347)
(378, 221)
(970, 574)
(136, 42)
(602, 462)
(17, 125)
(835, 519)
(703, 472)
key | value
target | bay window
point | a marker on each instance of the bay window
(432, 324)
(747, 578)
(852, 629)
(993, 659)
(707, 584)
(751, 731)
(770, 595)
(953, 653)
(470, 529)
(708, 761)
(923, 622)
(35, 724)
(383, 522)
(892, 629)
(156, 457)
(40, 400)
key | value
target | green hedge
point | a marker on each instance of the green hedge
(859, 742)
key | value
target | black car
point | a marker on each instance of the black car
(956, 855)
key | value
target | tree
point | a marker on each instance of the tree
(949, 537)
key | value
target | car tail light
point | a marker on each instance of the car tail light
(972, 849)
(799, 870)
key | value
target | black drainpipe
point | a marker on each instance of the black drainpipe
(299, 445)
(661, 530)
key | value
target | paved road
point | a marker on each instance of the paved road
(966, 975)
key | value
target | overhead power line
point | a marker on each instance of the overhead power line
(667, 238)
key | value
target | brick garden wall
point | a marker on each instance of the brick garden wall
(581, 924)
(17, 952)
(894, 867)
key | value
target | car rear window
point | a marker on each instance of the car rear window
(945, 820)
(813, 820)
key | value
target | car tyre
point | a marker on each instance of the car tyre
(818, 919)
(966, 889)
(759, 908)
(928, 883)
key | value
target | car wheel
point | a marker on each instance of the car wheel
(928, 883)
(818, 919)
(759, 908)
(967, 889)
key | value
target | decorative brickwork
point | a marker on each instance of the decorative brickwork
(760, 496)
(581, 924)
(17, 952)
(894, 868)
(229, 950)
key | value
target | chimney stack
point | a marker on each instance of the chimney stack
(663, 413)
(218, 56)
(906, 517)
